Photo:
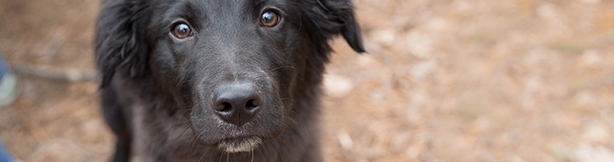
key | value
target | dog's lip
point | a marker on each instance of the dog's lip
(240, 143)
(238, 138)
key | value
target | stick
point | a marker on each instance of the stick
(71, 75)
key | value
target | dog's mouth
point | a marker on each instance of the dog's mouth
(240, 144)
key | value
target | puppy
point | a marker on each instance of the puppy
(217, 80)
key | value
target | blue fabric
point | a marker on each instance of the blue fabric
(4, 155)
(3, 66)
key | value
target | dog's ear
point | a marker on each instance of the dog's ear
(120, 42)
(351, 29)
(337, 17)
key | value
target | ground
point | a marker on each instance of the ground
(443, 80)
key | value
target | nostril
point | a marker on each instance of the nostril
(225, 107)
(251, 104)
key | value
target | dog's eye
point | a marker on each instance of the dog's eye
(182, 31)
(269, 19)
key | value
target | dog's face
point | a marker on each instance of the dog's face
(237, 60)
(237, 66)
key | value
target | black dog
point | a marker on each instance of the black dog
(217, 80)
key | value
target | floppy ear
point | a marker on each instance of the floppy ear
(337, 17)
(120, 43)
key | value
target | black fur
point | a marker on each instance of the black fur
(156, 89)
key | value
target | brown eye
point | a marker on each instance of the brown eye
(182, 31)
(269, 18)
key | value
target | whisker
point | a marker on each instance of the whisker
(281, 158)
(195, 139)
(282, 67)
(201, 157)
(221, 157)
(265, 149)
(260, 151)
(186, 129)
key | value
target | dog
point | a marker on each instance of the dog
(217, 80)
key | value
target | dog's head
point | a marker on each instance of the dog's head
(239, 67)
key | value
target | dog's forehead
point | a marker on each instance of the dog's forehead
(201, 10)
(228, 6)
(218, 6)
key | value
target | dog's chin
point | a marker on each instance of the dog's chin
(243, 144)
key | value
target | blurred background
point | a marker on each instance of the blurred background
(443, 80)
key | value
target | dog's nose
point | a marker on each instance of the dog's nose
(236, 103)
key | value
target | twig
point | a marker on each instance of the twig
(71, 75)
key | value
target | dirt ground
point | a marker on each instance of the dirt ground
(443, 80)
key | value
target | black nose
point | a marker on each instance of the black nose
(236, 103)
